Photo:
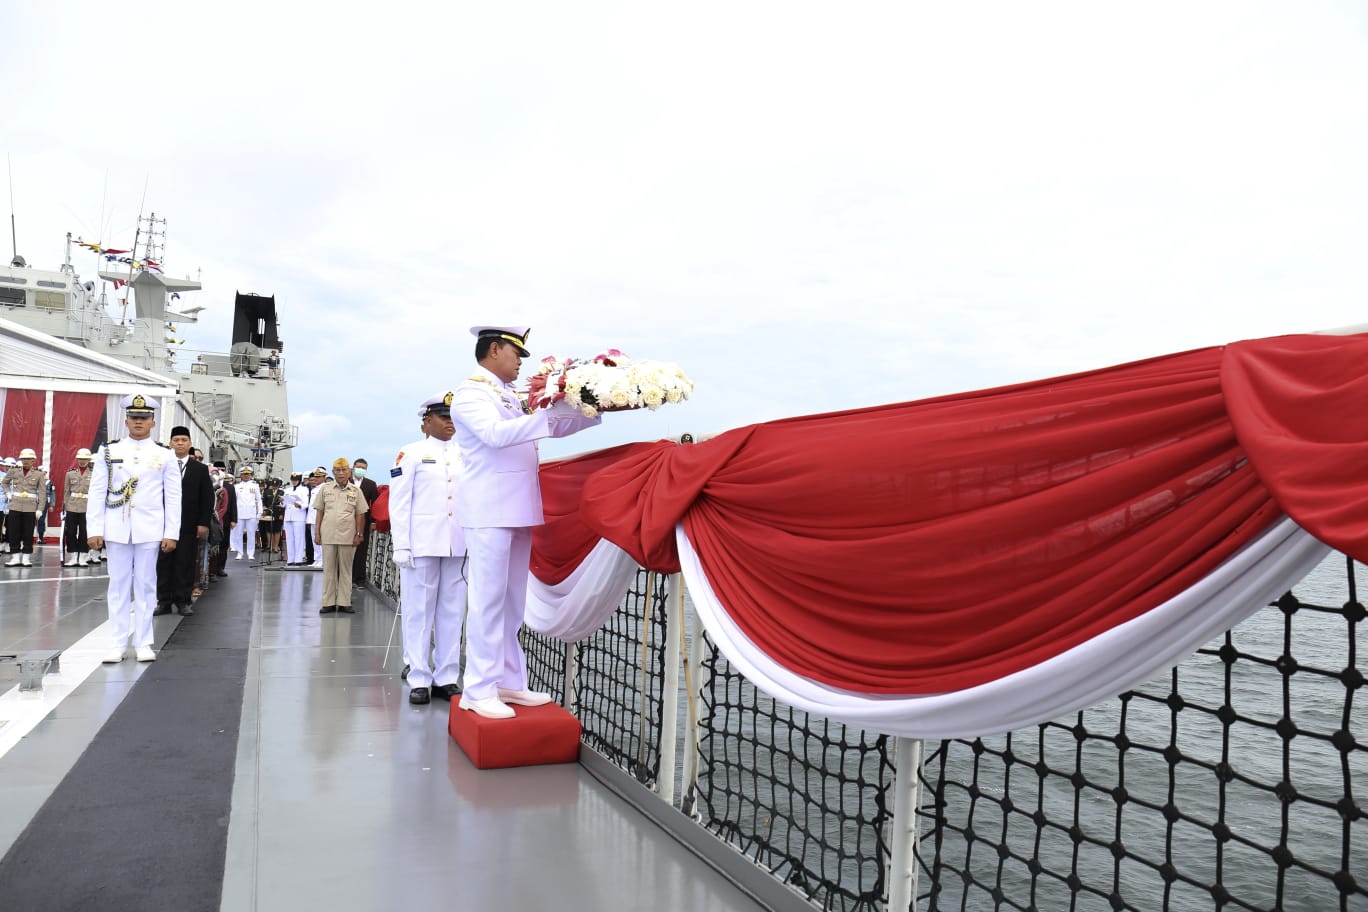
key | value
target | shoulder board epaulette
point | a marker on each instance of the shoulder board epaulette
(109, 442)
(162, 445)
(481, 378)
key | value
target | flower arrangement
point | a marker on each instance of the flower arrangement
(610, 382)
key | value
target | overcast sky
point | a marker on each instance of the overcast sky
(808, 206)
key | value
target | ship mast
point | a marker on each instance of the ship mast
(14, 236)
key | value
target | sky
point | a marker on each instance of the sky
(807, 206)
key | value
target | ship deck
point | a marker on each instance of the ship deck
(269, 759)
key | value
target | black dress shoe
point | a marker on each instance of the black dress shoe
(328, 609)
(446, 691)
(186, 611)
(161, 609)
(419, 695)
(346, 609)
(403, 675)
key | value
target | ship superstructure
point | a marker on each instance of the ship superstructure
(235, 399)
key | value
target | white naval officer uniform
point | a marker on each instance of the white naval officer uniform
(429, 547)
(135, 502)
(296, 499)
(244, 534)
(498, 499)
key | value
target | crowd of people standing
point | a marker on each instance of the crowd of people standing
(463, 502)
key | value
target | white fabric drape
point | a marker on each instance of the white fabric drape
(1091, 672)
(114, 416)
(578, 605)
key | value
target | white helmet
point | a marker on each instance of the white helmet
(83, 453)
(27, 453)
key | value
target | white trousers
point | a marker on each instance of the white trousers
(433, 604)
(497, 569)
(244, 536)
(132, 591)
(294, 541)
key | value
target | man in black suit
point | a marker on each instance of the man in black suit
(176, 569)
(371, 491)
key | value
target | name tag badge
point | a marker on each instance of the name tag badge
(396, 472)
(117, 459)
(428, 460)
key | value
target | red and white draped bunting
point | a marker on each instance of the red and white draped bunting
(984, 561)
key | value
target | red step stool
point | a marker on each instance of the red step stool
(536, 735)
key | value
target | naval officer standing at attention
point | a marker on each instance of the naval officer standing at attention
(429, 549)
(135, 512)
(498, 500)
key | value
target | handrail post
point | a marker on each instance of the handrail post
(902, 862)
(669, 689)
(570, 700)
(690, 652)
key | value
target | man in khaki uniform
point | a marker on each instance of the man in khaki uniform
(75, 496)
(341, 510)
(28, 497)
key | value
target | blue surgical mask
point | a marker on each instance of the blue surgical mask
(359, 472)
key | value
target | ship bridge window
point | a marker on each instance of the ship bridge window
(45, 283)
(11, 297)
(13, 281)
(50, 300)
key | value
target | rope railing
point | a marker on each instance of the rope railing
(1233, 781)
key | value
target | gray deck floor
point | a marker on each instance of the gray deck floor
(345, 797)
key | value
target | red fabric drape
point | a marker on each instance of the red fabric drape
(937, 545)
(23, 421)
(1299, 405)
(564, 540)
(75, 422)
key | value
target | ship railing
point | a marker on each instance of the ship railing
(1234, 780)
(229, 364)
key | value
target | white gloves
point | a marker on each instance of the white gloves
(404, 559)
(562, 408)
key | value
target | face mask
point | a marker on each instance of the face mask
(359, 472)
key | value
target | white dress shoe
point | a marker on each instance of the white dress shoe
(69, 562)
(490, 707)
(28, 561)
(84, 561)
(114, 656)
(524, 697)
(14, 561)
(237, 557)
(145, 654)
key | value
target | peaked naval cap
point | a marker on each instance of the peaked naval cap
(439, 405)
(140, 405)
(515, 334)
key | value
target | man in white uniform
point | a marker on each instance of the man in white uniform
(249, 514)
(296, 497)
(135, 511)
(498, 499)
(316, 478)
(429, 549)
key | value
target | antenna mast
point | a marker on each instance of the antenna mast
(14, 238)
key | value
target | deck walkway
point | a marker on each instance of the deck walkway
(270, 760)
